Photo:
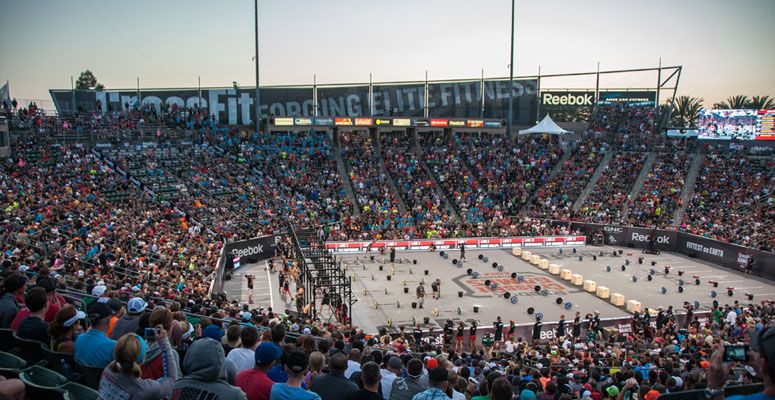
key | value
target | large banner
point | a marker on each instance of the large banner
(451, 244)
(251, 250)
(460, 99)
(720, 253)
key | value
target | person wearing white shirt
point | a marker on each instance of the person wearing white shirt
(731, 317)
(394, 369)
(244, 357)
(353, 363)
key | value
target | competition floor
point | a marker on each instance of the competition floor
(371, 286)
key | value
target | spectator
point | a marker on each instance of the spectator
(763, 362)
(407, 388)
(394, 369)
(157, 358)
(333, 385)
(316, 364)
(243, 358)
(501, 389)
(353, 363)
(296, 368)
(277, 373)
(255, 382)
(205, 365)
(118, 311)
(123, 377)
(34, 327)
(438, 379)
(370, 377)
(64, 329)
(129, 322)
(14, 286)
(94, 348)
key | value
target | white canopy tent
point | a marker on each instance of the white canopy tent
(547, 125)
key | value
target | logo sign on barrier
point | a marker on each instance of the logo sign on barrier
(439, 122)
(420, 122)
(451, 244)
(402, 122)
(324, 121)
(363, 121)
(303, 121)
(475, 123)
(343, 121)
(381, 121)
(252, 250)
(567, 98)
(493, 124)
(457, 122)
(283, 121)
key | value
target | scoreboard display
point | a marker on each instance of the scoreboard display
(737, 124)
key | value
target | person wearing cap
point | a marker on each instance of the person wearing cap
(129, 322)
(296, 367)
(205, 365)
(394, 369)
(438, 379)
(333, 385)
(253, 381)
(118, 311)
(14, 286)
(243, 357)
(762, 359)
(63, 329)
(94, 348)
(407, 388)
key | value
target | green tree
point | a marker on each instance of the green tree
(762, 102)
(734, 102)
(87, 80)
(685, 111)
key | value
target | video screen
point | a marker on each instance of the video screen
(728, 124)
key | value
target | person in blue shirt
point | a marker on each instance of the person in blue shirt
(296, 367)
(94, 348)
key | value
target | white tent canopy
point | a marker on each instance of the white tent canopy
(547, 125)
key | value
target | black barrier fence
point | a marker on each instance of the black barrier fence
(720, 253)
(247, 252)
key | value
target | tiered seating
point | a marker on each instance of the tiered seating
(605, 203)
(556, 197)
(660, 196)
(732, 200)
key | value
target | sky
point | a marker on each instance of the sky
(725, 47)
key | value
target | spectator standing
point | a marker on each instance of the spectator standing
(243, 358)
(407, 388)
(296, 368)
(370, 377)
(334, 385)
(438, 378)
(254, 382)
(205, 364)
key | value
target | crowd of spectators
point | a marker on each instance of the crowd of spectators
(659, 198)
(555, 198)
(732, 201)
(605, 203)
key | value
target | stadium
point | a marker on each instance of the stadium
(512, 237)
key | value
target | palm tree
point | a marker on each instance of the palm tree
(735, 102)
(761, 103)
(685, 111)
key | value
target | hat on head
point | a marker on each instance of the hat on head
(527, 395)
(246, 316)
(79, 315)
(213, 332)
(98, 311)
(267, 352)
(395, 363)
(613, 391)
(115, 305)
(297, 361)
(306, 331)
(136, 305)
(438, 374)
(99, 290)
(431, 363)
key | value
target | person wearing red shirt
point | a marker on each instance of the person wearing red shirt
(254, 382)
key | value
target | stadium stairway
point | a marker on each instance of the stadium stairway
(429, 174)
(688, 190)
(648, 164)
(555, 170)
(383, 170)
(593, 180)
(345, 179)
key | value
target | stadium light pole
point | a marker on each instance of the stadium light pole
(258, 93)
(511, 72)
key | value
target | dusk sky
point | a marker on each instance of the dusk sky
(726, 47)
